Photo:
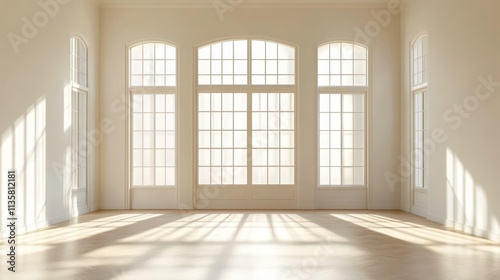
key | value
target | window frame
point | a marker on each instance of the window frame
(366, 91)
(131, 90)
(420, 88)
(249, 89)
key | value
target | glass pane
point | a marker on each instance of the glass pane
(335, 177)
(286, 102)
(347, 176)
(285, 52)
(287, 157)
(258, 49)
(240, 121)
(287, 175)
(359, 52)
(204, 157)
(259, 175)
(227, 157)
(204, 175)
(148, 176)
(271, 50)
(335, 157)
(324, 157)
(273, 175)
(170, 176)
(347, 51)
(324, 176)
(259, 157)
(324, 52)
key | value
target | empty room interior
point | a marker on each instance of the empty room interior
(250, 139)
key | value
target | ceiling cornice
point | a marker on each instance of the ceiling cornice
(253, 4)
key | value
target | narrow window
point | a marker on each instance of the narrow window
(419, 115)
(342, 87)
(79, 93)
(152, 86)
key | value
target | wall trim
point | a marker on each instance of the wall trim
(245, 6)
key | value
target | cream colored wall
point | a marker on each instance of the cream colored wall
(464, 46)
(32, 106)
(305, 28)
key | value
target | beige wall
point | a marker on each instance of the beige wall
(305, 28)
(464, 45)
(32, 124)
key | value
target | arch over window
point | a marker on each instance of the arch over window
(78, 61)
(419, 60)
(227, 63)
(342, 64)
(153, 64)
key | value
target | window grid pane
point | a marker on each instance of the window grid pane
(223, 63)
(153, 64)
(342, 139)
(273, 138)
(153, 140)
(222, 138)
(272, 63)
(342, 64)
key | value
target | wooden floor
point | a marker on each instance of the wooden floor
(261, 245)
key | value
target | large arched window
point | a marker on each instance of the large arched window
(342, 87)
(245, 103)
(152, 88)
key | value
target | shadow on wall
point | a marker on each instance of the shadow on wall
(468, 206)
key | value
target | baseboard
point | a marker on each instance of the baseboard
(495, 236)
(419, 211)
(21, 229)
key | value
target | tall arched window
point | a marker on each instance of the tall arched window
(245, 103)
(342, 87)
(152, 86)
(79, 117)
(419, 93)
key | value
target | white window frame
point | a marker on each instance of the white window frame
(422, 42)
(153, 90)
(365, 90)
(79, 86)
(249, 90)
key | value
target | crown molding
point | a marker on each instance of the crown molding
(244, 4)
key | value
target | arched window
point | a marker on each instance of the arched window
(342, 64)
(419, 61)
(246, 91)
(419, 51)
(79, 117)
(152, 86)
(342, 88)
(78, 60)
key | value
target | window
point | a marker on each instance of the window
(419, 55)
(79, 92)
(342, 64)
(153, 119)
(419, 115)
(78, 60)
(342, 87)
(246, 133)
